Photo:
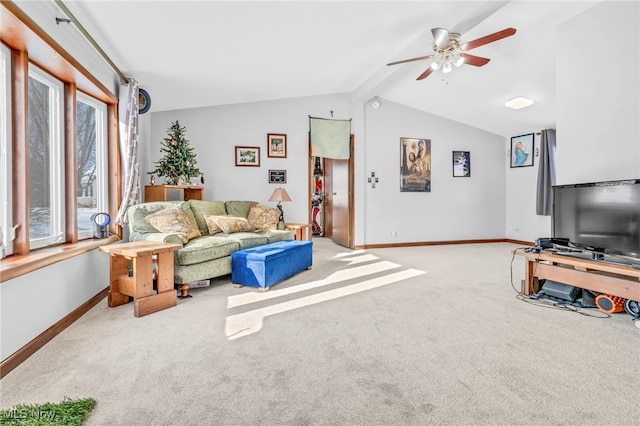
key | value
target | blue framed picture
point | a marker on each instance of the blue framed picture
(522, 151)
(461, 164)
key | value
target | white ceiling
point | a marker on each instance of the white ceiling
(201, 53)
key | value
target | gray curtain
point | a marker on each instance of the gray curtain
(546, 173)
(128, 126)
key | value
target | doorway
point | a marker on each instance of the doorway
(331, 197)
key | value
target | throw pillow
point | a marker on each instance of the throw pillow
(173, 220)
(212, 224)
(232, 224)
(201, 208)
(262, 217)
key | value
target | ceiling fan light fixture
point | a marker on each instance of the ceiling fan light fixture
(446, 68)
(435, 65)
(459, 61)
(518, 103)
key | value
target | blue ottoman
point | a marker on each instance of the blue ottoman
(266, 265)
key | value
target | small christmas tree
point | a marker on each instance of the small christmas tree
(179, 162)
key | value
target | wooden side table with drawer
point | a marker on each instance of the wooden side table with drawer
(138, 257)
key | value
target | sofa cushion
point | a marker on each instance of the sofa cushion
(231, 224)
(202, 249)
(202, 208)
(273, 235)
(238, 208)
(247, 239)
(262, 217)
(174, 220)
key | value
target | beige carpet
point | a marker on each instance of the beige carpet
(407, 336)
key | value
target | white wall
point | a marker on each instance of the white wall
(457, 208)
(214, 132)
(598, 111)
(44, 14)
(522, 222)
(32, 303)
(599, 94)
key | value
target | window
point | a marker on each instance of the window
(48, 193)
(91, 160)
(46, 162)
(6, 221)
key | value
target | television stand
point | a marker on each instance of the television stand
(602, 277)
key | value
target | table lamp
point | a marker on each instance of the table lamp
(280, 195)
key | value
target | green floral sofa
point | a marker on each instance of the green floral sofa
(208, 230)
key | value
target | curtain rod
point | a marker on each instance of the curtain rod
(85, 33)
(539, 133)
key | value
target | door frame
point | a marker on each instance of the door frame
(350, 184)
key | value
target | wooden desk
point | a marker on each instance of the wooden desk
(140, 284)
(159, 192)
(300, 230)
(602, 277)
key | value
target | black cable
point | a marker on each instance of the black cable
(536, 299)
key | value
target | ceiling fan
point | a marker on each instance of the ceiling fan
(449, 51)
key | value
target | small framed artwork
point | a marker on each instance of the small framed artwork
(276, 145)
(461, 164)
(277, 176)
(522, 150)
(248, 156)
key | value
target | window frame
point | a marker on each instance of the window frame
(6, 154)
(57, 174)
(30, 43)
(102, 187)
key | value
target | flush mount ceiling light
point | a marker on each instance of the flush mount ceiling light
(518, 103)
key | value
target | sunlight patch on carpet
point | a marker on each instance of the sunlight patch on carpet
(250, 322)
(360, 259)
(336, 277)
(349, 253)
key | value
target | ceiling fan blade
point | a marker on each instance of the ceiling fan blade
(425, 74)
(441, 38)
(476, 61)
(507, 32)
(419, 58)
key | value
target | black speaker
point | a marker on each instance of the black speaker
(560, 291)
(588, 299)
(544, 243)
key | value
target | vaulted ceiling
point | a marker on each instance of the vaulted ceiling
(202, 53)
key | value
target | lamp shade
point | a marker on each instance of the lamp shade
(280, 194)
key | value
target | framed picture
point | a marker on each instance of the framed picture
(522, 150)
(415, 165)
(277, 176)
(461, 164)
(248, 156)
(276, 145)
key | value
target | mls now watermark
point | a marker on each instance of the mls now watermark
(28, 413)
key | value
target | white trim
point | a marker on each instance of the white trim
(101, 193)
(6, 166)
(56, 158)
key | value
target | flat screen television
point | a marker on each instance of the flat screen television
(599, 217)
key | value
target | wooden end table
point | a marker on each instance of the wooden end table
(300, 230)
(140, 284)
